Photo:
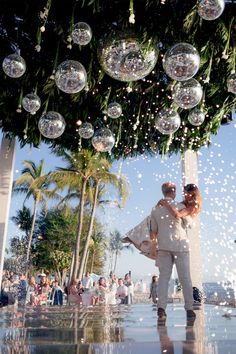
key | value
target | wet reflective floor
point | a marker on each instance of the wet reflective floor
(117, 329)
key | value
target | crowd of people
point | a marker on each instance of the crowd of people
(107, 291)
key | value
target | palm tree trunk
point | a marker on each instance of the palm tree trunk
(82, 263)
(116, 256)
(36, 202)
(75, 264)
(86, 262)
(71, 266)
(111, 261)
(92, 263)
(58, 273)
(63, 278)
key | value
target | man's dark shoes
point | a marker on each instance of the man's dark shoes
(191, 316)
(161, 314)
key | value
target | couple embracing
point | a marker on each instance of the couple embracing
(168, 229)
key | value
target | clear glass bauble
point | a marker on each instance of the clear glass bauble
(210, 9)
(126, 59)
(167, 121)
(86, 130)
(196, 117)
(114, 110)
(231, 83)
(81, 33)
(187, 94)
(14, 65)
(71, 76)
(181, 62)
(31, 103)
(103, 140)
(51, 125)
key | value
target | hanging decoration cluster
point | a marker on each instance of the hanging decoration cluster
(129, 82)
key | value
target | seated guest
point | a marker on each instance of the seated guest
(122, 292)
(43, 289)
(56, 296)
(94, 293)
(6, 298)
(87, 281)
(103, 291)
(130, 285)
(113, 288)
(32, 292)
(22, 290)
(74, 293)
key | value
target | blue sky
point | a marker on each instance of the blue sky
(217, 182)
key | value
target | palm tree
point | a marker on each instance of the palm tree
(116, 246)
(84, 172)
(101, 178)
(33, 182)
(23, 220)
(98, 239)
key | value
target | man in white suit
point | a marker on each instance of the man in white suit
(172, 248)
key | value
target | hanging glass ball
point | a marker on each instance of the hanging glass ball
(126, 59)
(81, 33)
(210, 9)
(14, 65)
(51, 125)
(114, 110)
(181, 62)
(103, 140)
(167, 121)
(86, 130)
(231, 83)
(196, 117)
(71, 76)
(187, 94)
(31, 103)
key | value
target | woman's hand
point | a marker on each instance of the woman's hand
(161, 203)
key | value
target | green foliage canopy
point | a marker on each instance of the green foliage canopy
(22, 25)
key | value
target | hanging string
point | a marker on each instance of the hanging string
(202, 105)
(43, 16)
(225, 54)
(131, 12)
(46, 104)
(208, 71)
(25, 131)
(167, 147)
(118, 134)
(18, 110)
(233, 65)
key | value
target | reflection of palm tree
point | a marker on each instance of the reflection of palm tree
(33, 182)
(116, 247)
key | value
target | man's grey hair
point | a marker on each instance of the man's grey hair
(168, 187)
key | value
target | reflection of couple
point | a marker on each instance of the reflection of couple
(187, 346)
(169, 221)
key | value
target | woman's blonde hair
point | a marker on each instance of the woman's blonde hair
(195, 200)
